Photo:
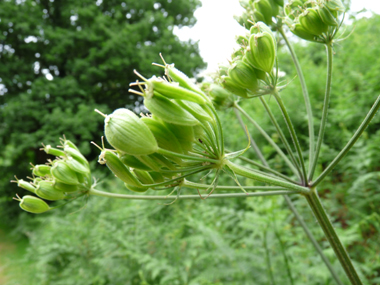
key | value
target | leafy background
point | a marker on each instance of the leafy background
(234, 241)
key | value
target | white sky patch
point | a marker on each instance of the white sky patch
(216, 28)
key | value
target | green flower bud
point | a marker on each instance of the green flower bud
(47, 191)
(231, 86)
(53, 151)
(196, 110)
(117, 167)
(173, 90)
(133, 162)
(66, 188)
(164, 137)
(328, 16)
(127, 133)
(168, 111)
(63, 173)
(335, 5)
(33, 205)
(312, 22)
(263, 51)
(77, 166)
(243, 75)
(41, 170)
(25, 185)
(139, 189)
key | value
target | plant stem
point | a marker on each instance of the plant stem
(350, 143)
(325, 223)
(182, 197)
(190, 184)
(268, 138)
(312, 239)
(280, 133)
(292, 134)
(324, 111)
(197, 158)
(249, 173)
(305, 95)
(267, 258)
(253, 143)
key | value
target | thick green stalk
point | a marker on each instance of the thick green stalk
(324, 111)
(350, 143)
(249, 173)
(305, 93)
(327, 227)
(189, 184)
(182, 197)
(280, 133)
(268, 138)
(313, 240)
(292, 134)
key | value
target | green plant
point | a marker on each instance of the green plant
(176, 154)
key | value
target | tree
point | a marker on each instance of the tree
(59, 60)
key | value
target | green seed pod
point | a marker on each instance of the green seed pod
(312, 22)
(264, 7)
(53, 151)
(300, 31)
(173, 91)
(335, 5)
(220, 96)
(63, 173)
(133, 162)
(157, 177)
(260, 27)
(328, 16)
(150, 161)
(198, 132)
(77, 166)
(196, 110)
(263, 51)
(279, 2)
(244, 75)
(33, 205)
(223, 70)
(183, 80)
(70, 144)
(139, 189)
(41, 170)
(184, 135)
(164, 137)
(169, 111)
(127, 133)
(66, 188)
(259, 17)
(230, 85)
(74, 153)
(143, 176)
(293, 9)
(47, 191)
(25, 185)
(117, 167)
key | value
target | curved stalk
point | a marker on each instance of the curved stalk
(269, 139)
(350, 143)
(183, 197)
(305, 93)
(292, 134)
(249, 173)
(328, 229)
(324, 111)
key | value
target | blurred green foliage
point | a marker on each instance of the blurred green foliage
(59, 60)
(231, 241)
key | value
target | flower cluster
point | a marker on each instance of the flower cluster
(181, 135)
(315, 21)
(64, 177)
(252, 64)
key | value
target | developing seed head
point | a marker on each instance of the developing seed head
(33, 204)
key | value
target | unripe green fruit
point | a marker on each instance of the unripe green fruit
(184, 135)
(335, 5)
(77, 166)
(53, 151)
(133, 162)
(301, 32)
(117, 167)
(169, 111)
(137, 189)
(143, 176)
(46, 190)
(157, 177)
(328, 16)
(70, 144)
(279, 2)
(75, 153)
(174, 91)
(63, 173)
(260, 27)
(163, 161)
(25, 185)
(66, 188)
(33, 205)
(127, 133)
(243, 75)
(312, 22)
(221, 96)
(183, 80)
(259, 17)
(41, 170)
(231, 86)
(265, 8)
(195, 109)
(263, 51)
